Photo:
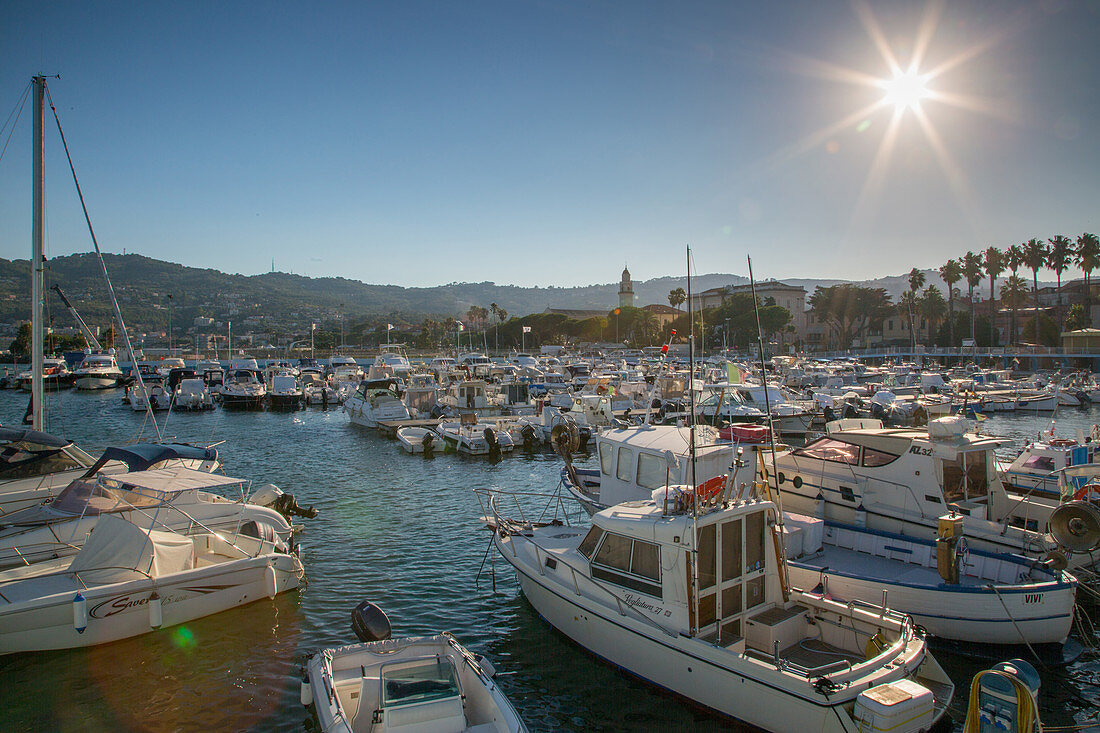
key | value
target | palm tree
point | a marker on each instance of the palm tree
(916, 282)
(951, 272)
(495, 310)
(1088, 259)
(932, 307)
(1035, 256)
(1014, 259)
(994, 266)
(972, 272)
(676, 297)
(1013, 293)
(1059, 255)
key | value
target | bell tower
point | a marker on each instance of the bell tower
(626, 291)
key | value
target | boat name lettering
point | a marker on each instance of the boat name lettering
(118, 604)
(918, 451)
(1033, 597)
(643, 605)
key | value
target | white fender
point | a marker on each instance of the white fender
(156, 614)
(80, 613)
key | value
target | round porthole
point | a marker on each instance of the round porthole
(797, 482)
(782, 478)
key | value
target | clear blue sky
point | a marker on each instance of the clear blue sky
(419, 143)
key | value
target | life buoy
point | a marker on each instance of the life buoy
(710, 487)
(1088, 492)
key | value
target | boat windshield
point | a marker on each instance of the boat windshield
(417, 682)
(102, 497)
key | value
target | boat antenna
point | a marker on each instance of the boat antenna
(691, 385)
(780, 551)
(110, 288)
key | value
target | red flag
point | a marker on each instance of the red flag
(674, 332)
(664, 349)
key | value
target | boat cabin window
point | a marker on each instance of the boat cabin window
(830, 449)
(873, 458)
(965, 478)
(1040, 463)
(633, 564)
(625, 470)
(423, 681)
(607, 458)
(588, 544)
(652, 471)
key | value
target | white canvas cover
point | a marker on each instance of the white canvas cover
(116, 548)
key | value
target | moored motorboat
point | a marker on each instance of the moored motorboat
(417, 439)
(127, 580)
(429, 683)
(98, 370)
(181, 499)
(375, 401)
(474, 438)
(958, 594)
(691, 597)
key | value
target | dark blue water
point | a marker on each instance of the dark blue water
(397, 529)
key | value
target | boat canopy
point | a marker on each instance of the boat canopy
(32, 437)
(116, 548)
(124, 491)
(34, 453)
(140, 456)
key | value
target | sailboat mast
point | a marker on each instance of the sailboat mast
(37, 229)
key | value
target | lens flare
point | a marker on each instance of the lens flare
(905, 90)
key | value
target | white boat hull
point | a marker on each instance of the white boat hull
(96, 382)
(689, 667)
(121, 610)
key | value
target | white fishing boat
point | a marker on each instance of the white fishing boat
(178, 499)
(375, 401)
(127, 580)
(637, 459)
(429, 684)
(691, 597)
(98, 370)
(417, 440)
(475, 438)
(957, 593)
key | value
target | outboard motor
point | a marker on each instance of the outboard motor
(428, 442)
(491, 439)
(288, 506)
(878, 411)
(1083, 397)
(830, 414)
(370, 623)
(850, 410)
(530, 437)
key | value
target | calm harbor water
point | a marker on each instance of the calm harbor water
(401, 531)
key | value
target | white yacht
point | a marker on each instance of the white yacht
(1036, 469)
(477, 366)
(429, 683)
(375, 401)
(392, 362)
(35, 466)
(285, 393)
(182, 499)
(55, 375)
(903, 480)
(243, 388)
(127, 580)
(193, 395)
(98, 370)
(692, 597)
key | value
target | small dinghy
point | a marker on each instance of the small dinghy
(476, 439)
(429, 683)
(418, 440)
(127, 581)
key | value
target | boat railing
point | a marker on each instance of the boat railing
(542, 555)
